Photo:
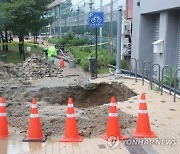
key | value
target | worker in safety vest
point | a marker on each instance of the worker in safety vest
(52, 52)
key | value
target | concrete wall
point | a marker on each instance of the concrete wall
(136, 30)
(146, 37)
(171, 43)
(148, 6)
(142, 38)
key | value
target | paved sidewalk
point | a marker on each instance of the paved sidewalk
(164, 117)
(163, 112)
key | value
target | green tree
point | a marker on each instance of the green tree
(41, 17)
(2, 26)
(23, 16)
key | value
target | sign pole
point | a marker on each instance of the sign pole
(96, 53)
(119, 26)
(96, 20)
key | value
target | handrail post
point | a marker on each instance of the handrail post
(146, 62)
(139, 60)
(131, 65)
(135, 68)
(162, 77)
(175, 82)
(158, 74)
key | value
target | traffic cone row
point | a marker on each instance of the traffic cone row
(143, 129)
(35, 133)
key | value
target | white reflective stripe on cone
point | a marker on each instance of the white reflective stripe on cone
(112, 104)
(3, 114)
(33, 106)
(2, 104)
(113, 114)
(34, 115)
(142, 101)
(70, 105)
(70, 115)
(143, 111)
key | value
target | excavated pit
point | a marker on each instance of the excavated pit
(98, 94)
(91, 109)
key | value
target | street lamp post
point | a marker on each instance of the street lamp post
(111, 45)
(56, 26)
(78, 9)
(100, 32)
(90, 6)
(65, 23)
(70, 20)
(65, 17)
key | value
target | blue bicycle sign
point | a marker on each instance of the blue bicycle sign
(96, 19)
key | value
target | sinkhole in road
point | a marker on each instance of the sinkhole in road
(82, 97)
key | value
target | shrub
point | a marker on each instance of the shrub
(124, 65)
(85, 64)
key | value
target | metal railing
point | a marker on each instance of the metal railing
(146, 62)
(175, 84)
(162, 77)
(135, 68)
(159, 79)
(138, 61)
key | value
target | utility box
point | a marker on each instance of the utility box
(92, 66)
(3, 58)
(72, 63)
(158, 46)
(29, 49)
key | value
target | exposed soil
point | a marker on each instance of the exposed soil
(99, 95)
(90, 100)
(91, 115)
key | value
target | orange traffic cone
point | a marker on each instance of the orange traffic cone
(61, 63)
(113, 128)
(143, 129)
(3, 119)
(71, 131)
(34, 133)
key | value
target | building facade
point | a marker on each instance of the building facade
(156, 32)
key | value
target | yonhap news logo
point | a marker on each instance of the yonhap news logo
(114, 142)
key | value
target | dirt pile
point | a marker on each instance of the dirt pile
(14, 77)
(5, 71)
(36, 67)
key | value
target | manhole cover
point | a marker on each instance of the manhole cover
(172, 109)
(163, 101)
(101, 146)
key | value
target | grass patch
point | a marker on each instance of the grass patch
(13, 53)
(83, 53)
